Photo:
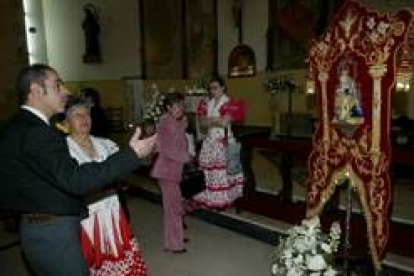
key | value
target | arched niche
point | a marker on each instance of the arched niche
(242, 62)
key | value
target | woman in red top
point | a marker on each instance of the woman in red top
(216, 115)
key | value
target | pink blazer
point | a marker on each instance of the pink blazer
(172, 149)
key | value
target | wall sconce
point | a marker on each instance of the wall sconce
(403, 82)
(404, 73)
(310, 81)
(310, 86)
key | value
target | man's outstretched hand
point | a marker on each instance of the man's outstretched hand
(142, 147)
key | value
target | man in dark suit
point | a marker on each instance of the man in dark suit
(40, 181)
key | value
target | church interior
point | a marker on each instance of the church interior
(262, 48)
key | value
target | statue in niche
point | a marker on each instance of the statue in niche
(91, 29)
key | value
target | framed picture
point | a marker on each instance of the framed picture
(161, 30)
(178, 38)
(201, 37)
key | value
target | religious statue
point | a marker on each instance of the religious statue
(91, 29)
(347, 103)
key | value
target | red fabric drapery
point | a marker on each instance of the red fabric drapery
(353, 65)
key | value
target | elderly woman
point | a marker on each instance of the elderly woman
(111, 248)
(172, 148)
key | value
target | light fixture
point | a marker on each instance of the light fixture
(310, 82)
(404, 73)
(310, 86)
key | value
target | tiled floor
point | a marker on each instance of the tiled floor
(212, 250)
(401, 263)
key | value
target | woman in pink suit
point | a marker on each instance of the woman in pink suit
(173, 153)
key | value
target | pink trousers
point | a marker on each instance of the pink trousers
(172, 203)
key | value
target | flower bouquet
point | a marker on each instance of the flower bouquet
(155, 106)
(199, 88)
(307, 250)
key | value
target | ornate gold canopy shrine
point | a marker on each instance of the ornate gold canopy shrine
(353, 65)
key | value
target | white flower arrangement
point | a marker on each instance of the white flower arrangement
(307, 250)
(199, 88)
(155, 107)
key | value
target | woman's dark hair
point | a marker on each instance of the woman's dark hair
(219, 80)
(91, 93)
(172, 98)
(72, 102)
(35, 73)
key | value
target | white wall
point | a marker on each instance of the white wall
(227, 34)
(119, 39)
(36, 39)
(255, 20)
